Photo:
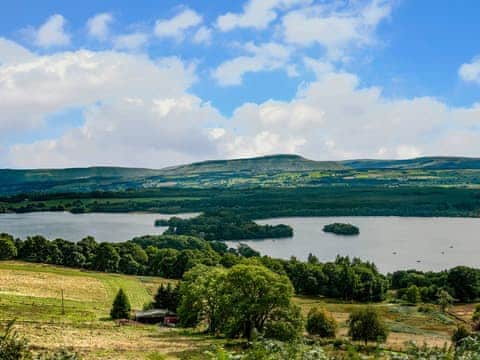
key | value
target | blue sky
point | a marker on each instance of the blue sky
(158, 83)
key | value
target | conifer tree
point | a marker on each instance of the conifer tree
(121, 306)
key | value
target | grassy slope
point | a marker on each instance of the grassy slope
(276, 170)
(85, 325)
(86, 328)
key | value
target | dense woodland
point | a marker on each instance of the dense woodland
(260, 203)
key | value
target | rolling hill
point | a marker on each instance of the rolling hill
(275, 170)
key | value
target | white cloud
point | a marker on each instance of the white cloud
(154, 133)
(335, 28)
(335, 118)
(256, 14)
(471, 71)
(175, 27)
(31, 90)
(98, 26)
(265, 57)
(138, 112)
(132, 41)
(12, 53)
(52, 33)
(203, 35)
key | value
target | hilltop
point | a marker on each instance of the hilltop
(266, 171)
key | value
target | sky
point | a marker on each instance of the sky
(161, 83)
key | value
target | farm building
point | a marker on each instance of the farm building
(156, 316)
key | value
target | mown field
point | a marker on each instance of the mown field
(31, 293)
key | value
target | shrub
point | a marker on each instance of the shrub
(459, 334)
(121, 306)
(13, 346)
(8, 249)
(476, 313)
(321, 323)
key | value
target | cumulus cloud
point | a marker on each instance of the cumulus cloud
(42, 85)
(471, 71)
(176, 26)
(133, 41)
(137, 111)
(335, 28)
(155, 133)
(335, 118)
(99, 26)
(203, 35)
(52, 33)
(256, 14)
(140, 111)
(265, 57)
(11, 52)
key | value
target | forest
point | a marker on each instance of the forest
(261, 203)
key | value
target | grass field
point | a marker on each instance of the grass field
(31, 293)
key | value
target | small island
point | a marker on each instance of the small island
(341, 229)
(223, 225)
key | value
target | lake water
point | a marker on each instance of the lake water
(74, 227)
(391, 242)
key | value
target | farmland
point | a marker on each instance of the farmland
(31, 293)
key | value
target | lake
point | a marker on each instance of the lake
(103, 226)
(391, 242)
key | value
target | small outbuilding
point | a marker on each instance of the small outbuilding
(156, 316)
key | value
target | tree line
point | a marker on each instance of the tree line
(461, 282)
(170, 256)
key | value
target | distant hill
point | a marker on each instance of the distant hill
(275, 170)
(431, 163)
(256, 165)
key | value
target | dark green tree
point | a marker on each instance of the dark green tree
(465, 283)
(121, 306)
(106, 258)
(167, 297)
(8, 250)
(365, 325)
(413, 295)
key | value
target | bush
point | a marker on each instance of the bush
(412, 294)
(459, 334)
(121, 306)
(13, 346)
(366, 325)
(321, 323)
(476, 313)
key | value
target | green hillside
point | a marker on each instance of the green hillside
(262, 164)
(430, 163)
(266, 171)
